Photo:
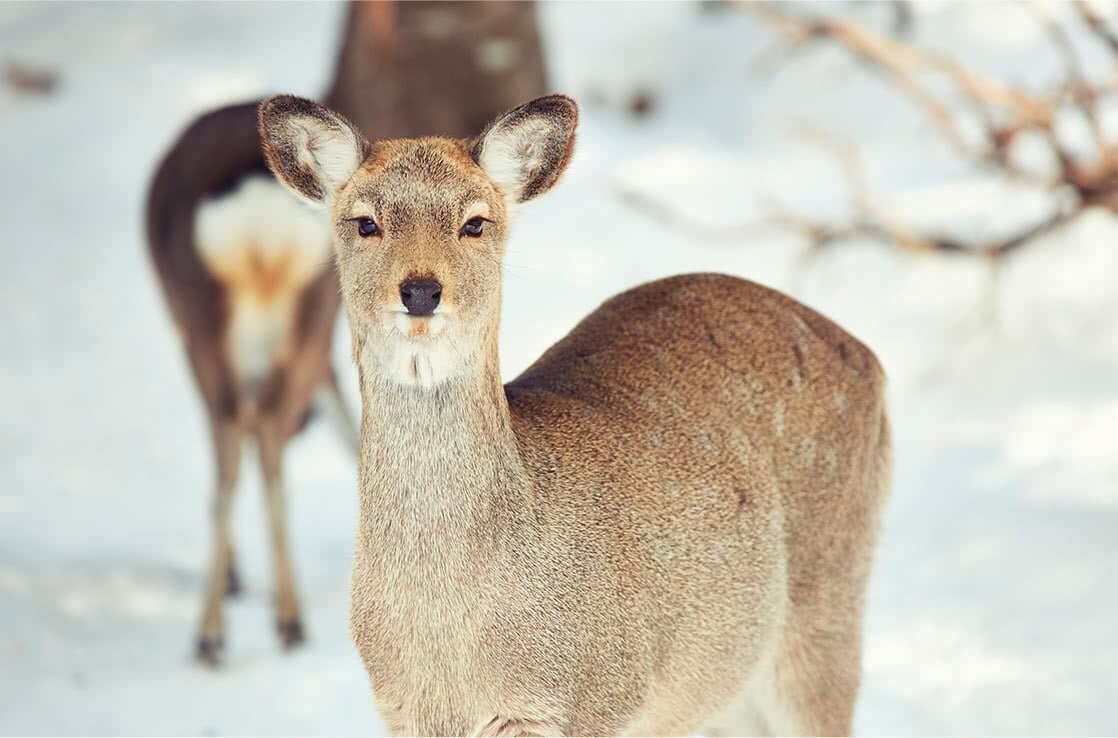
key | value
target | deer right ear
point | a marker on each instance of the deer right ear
(525, 151)
(312, 150)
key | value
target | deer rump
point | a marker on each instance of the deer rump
(246, 268)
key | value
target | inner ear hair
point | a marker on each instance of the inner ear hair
(526, 150)
(312, 150)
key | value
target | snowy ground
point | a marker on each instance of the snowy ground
(993, 606)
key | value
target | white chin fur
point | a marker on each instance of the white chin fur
(416, 361)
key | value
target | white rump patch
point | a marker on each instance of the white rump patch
(264, 245)
(262, 211)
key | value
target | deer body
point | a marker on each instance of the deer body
(247, 272)
(666, 523)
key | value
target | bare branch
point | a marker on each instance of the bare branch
(874, 222)
(1003, 111)
(1078, 88)
(901, 65)
(680, 221)
(901, 62)
(1097, 24)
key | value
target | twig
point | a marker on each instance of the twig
(1097, 25)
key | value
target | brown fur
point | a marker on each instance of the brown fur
(666, 523)
(423, 67)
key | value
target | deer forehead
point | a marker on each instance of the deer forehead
(409, 178)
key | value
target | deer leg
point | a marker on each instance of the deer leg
(232, 578)
(227, 452)
(288, 621)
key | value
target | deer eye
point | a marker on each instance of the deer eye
(473, 227)
(367, 227)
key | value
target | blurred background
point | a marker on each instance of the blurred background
(939, 178)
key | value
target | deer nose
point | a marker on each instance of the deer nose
(421, 296)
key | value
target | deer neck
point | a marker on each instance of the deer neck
(439, 455)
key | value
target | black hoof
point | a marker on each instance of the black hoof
(232, 583)
(211, 650)
(290, 633)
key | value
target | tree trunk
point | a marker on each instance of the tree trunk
(436, 68)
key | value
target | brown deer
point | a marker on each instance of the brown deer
(664, 524)
(248, 271)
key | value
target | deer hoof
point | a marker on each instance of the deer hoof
(291, 633)
(210, 650)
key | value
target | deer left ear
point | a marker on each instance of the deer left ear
(526, 150)
(312, 150)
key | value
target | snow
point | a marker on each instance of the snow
(992, 607)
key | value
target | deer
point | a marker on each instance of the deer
(664, 524)
(247, 272)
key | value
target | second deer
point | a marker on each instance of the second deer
(665, 524)
(248, 271)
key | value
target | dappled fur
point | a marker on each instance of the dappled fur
(666, 523)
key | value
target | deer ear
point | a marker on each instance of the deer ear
(312, 150)
(526, 150)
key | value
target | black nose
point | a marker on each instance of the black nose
(421, 296)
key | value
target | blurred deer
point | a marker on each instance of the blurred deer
(665, 524)
(247, 269)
